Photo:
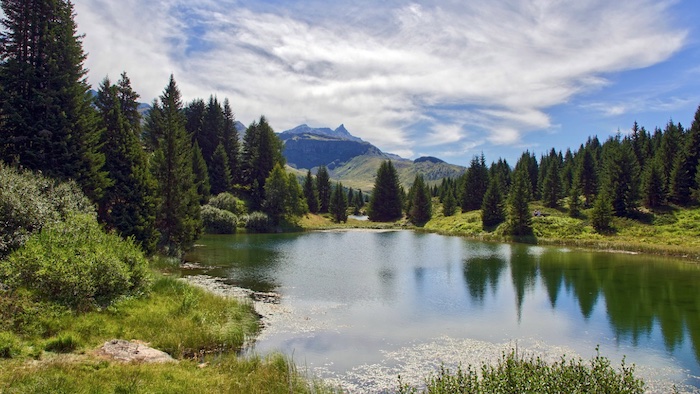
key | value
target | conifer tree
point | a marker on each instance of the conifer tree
(231, 144)
(201, 174)
(262, 150)
(653, 191)
(551, 182)
(686, 163)
(449, 204)
(219, 172)
(295, 203)
(621, 170)
(178, 217)
(421, 207)
(339, 204)
(386, 202)
(310, 193)
(129, 203)
(518, 207)
(574, 200)
(351, 197)
(602, 214)
(212, 130)
(48, 122)
(323, 186)
(587, 176)
(492, 213)
(475, 183)
(276, 194)
(360, 200)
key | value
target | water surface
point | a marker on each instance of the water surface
(364, 306)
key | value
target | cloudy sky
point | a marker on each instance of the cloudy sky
(445, 78)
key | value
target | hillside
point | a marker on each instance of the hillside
(353, 161)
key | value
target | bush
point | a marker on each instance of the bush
(29, 201)
(218, 221)
(76, 264)
(258, 222)
(228, 202)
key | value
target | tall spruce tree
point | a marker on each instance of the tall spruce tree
(421, 202)
(475, 183)
(686, 163)
(575, 200)
(178, 217)
(518, 207)
(231, 144)
(587, 176)
(201, 174)
(296, 205)
(276, 194)
(310, 193)
(262, 150)
(219, 172)
(653, 185)
(323, 186)
(129, 203)
(621, 175)
(339, 204)
(386, 202)
(551, 181)
(492, 213)
(49, 123)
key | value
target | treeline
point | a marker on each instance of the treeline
(614, 178)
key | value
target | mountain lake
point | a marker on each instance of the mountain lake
(359, 307)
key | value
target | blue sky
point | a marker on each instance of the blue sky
(444, 78)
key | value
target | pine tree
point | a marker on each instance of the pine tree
(310, 193)
(621, 170)
(351, 197)
(492, 213)
(587, 176)
(129, 203)
(518, 207)
(386, 201)
(49, 123)
(262, 150)
(421, 207)
(296, 205)
(276, 194)
(602, 214)
(219, 172)
(339, 204)
(231, 144)
(475, 183)
(575, 201)
(551, 182)
(201, 174)
(178, 217)
(653, 191)
(212, 130)
(686, 163)
(449, 204)
(323, 186)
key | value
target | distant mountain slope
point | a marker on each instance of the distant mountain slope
(353, 161)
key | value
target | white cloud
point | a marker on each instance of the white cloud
(493, 67)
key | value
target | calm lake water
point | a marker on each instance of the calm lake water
(362, 307)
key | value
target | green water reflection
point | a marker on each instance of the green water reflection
(430, 282)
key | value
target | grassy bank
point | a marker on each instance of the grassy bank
(55, 351)
(668, 232)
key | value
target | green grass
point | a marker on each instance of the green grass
(516, 374)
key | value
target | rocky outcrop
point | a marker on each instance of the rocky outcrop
(127, 351)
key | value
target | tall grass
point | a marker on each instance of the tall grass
(517, 374)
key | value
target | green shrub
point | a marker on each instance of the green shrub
(10, 345)
(258, 222)
(76, 264)
(29, 201)
(228, 202)
(218, 221)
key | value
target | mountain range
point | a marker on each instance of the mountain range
(348, 158)
(352, 161)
